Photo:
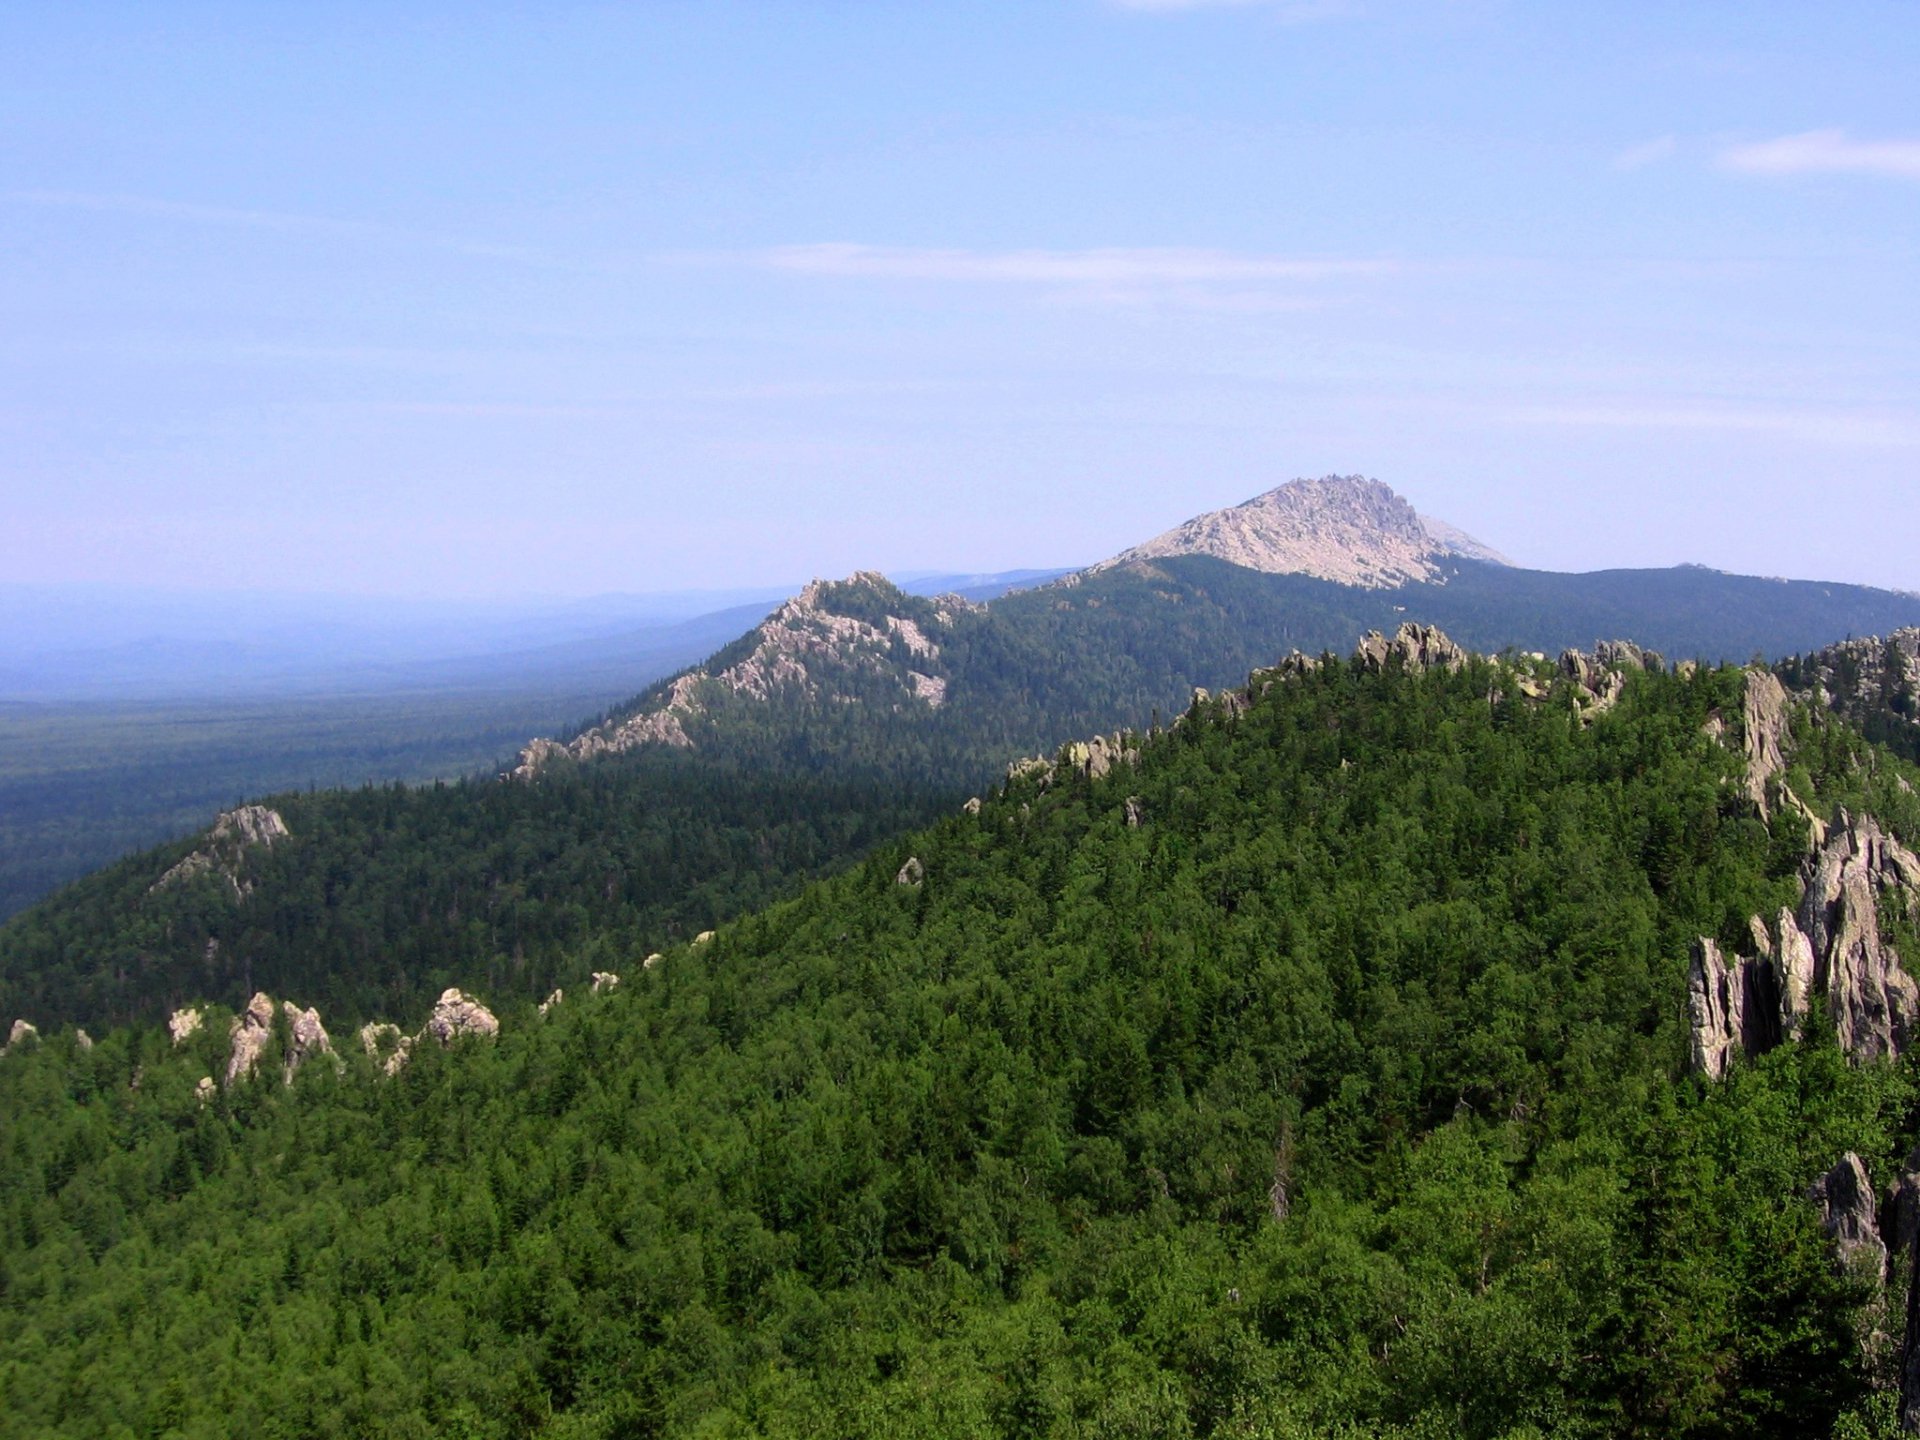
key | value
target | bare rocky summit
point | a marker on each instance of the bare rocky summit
(1344, 528)
(233, 834)
(798, 650)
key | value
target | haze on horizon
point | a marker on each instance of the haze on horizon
(475, 301)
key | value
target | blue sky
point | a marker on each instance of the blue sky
(487, 300)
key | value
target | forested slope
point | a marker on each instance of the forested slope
(1322, 1071)
(812, 753)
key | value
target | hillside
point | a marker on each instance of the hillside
(1321, 1066)
(854, 712)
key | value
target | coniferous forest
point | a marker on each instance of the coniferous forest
(1320, 1071)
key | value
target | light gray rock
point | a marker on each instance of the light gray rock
(604, 980)
(182, 1024)
(205, 1091)
(1874, 1003)
(911, 873)
(1136, 812)
(1764, 734)
(1716, 1009)
(306, 1038)
(22, 1032)
(252, 1030)
(552, 1000)
(389, 1048)
(1417, 647)
(232, 836)
(455, 1014)
(82, 1040)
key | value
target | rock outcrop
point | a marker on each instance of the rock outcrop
(234, 833)
(604, 980)
(911, 873)
(1344, 528)
(1844, 1197)
(1417, 647)
(456, 1014)
(306, 1038)
(1875, 1004)
(1830, 945)
(387, 1046)
(22, 1032)
(552, 1000)
(252, 1030)
(1763, 734)
(205, 1091)
(1874, 682)
(804, 647)
(182, 1024)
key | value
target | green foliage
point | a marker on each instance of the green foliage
(1341, 1096)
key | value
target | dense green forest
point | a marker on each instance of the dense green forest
(84, 783)
(383, 896)
(1321, 1074)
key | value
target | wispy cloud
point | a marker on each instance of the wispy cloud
(1102, 268)
(1638, 157)
(1824, 427)
(147, 207)
(1825, 152)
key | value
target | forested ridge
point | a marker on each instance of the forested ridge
(1321, 1072)
(383, 896)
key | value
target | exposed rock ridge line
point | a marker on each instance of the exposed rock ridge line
(1831, 944)
(1344, 528)
(795, 649)
(233, 835)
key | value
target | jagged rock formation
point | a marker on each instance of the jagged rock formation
(182, 1024)
(796, 649)
(604, 980)
(306, 1038)
(22, 1032)
(1417, 647)
(1763, 734)
(456, 1014)
(1902, 1225)
(205, 1091)
(652, 960)
(1844, 1196)
(386, 1045)
(1875, 683)
(1830, 945)
(1135, 811)
(911, 873)
(83, 1040)
(234, 833)
(252, 1029)
(1344, 528)
(552, 1000)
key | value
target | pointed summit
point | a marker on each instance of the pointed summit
(1345, 528)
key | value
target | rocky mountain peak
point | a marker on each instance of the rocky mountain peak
(1345, 528)
(831, 628)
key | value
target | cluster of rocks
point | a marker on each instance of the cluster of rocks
(789, 649)
(1859, 678)
(251, 1034)
(1415, 647)
(233, 834)
(1830, 944)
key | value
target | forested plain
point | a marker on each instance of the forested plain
(1323, 1073)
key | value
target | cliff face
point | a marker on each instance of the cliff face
(1830, 944)
(1344, 528)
